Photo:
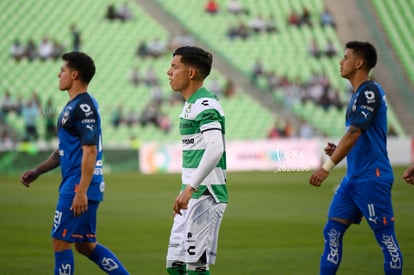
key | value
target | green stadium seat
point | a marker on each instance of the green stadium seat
(114, 59)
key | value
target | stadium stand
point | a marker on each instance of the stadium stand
(113, 45)
(285, 52)
(397, 20)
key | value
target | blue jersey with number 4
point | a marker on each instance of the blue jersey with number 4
(367, 110)
(79, 124)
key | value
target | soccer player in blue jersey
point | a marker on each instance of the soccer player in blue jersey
(199, 208)
(365, 190)
(79, 156)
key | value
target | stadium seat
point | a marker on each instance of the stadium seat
(113, 45)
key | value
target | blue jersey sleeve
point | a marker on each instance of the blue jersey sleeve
(365, 107)
(86, 119)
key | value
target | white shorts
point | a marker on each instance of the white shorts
(196, 231)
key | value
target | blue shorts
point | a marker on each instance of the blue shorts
(370, 199)
(69, 228)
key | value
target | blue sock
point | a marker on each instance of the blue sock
(332, 254)
(107, 261)
(64, 262)
(393, 260)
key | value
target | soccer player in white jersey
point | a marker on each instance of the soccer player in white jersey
(198, 210)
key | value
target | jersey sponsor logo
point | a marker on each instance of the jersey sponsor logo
(188, 141)
(204, 102)
(86, 109)
(368, 108)
(88, 120)
(334, 237)
(187, 125)
(393, 250)
(370, 96)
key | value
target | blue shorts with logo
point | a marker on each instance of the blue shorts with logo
(370, 199)
(69, 228)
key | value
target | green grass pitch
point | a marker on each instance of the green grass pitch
(273, 225)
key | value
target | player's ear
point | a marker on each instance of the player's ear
(74, 74)
(359, 64)
(192, 73)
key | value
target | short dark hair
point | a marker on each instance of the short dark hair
(197, 57)
(366, 51)
(82, 63)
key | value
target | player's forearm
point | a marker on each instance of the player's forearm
(346, 144)
(212, 154)
(50, 163)
(87, 168)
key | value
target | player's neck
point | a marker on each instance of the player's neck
(75, 90)
(191, 89)
(357, 81)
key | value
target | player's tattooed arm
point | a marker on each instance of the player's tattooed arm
(51, 163)
(346, 143)
(354, 130)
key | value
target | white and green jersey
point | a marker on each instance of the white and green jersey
(202, 112)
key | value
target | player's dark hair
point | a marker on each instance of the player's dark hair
(196, 57)
(365, 50)
(82, 63)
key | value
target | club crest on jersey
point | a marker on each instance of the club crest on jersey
(65, 117)
(188, 111)
(354, 105)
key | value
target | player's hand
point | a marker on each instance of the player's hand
(28, 177)
(408, 175)
(181, 202)
(330, 148)
(79, 204)
(318, 177)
